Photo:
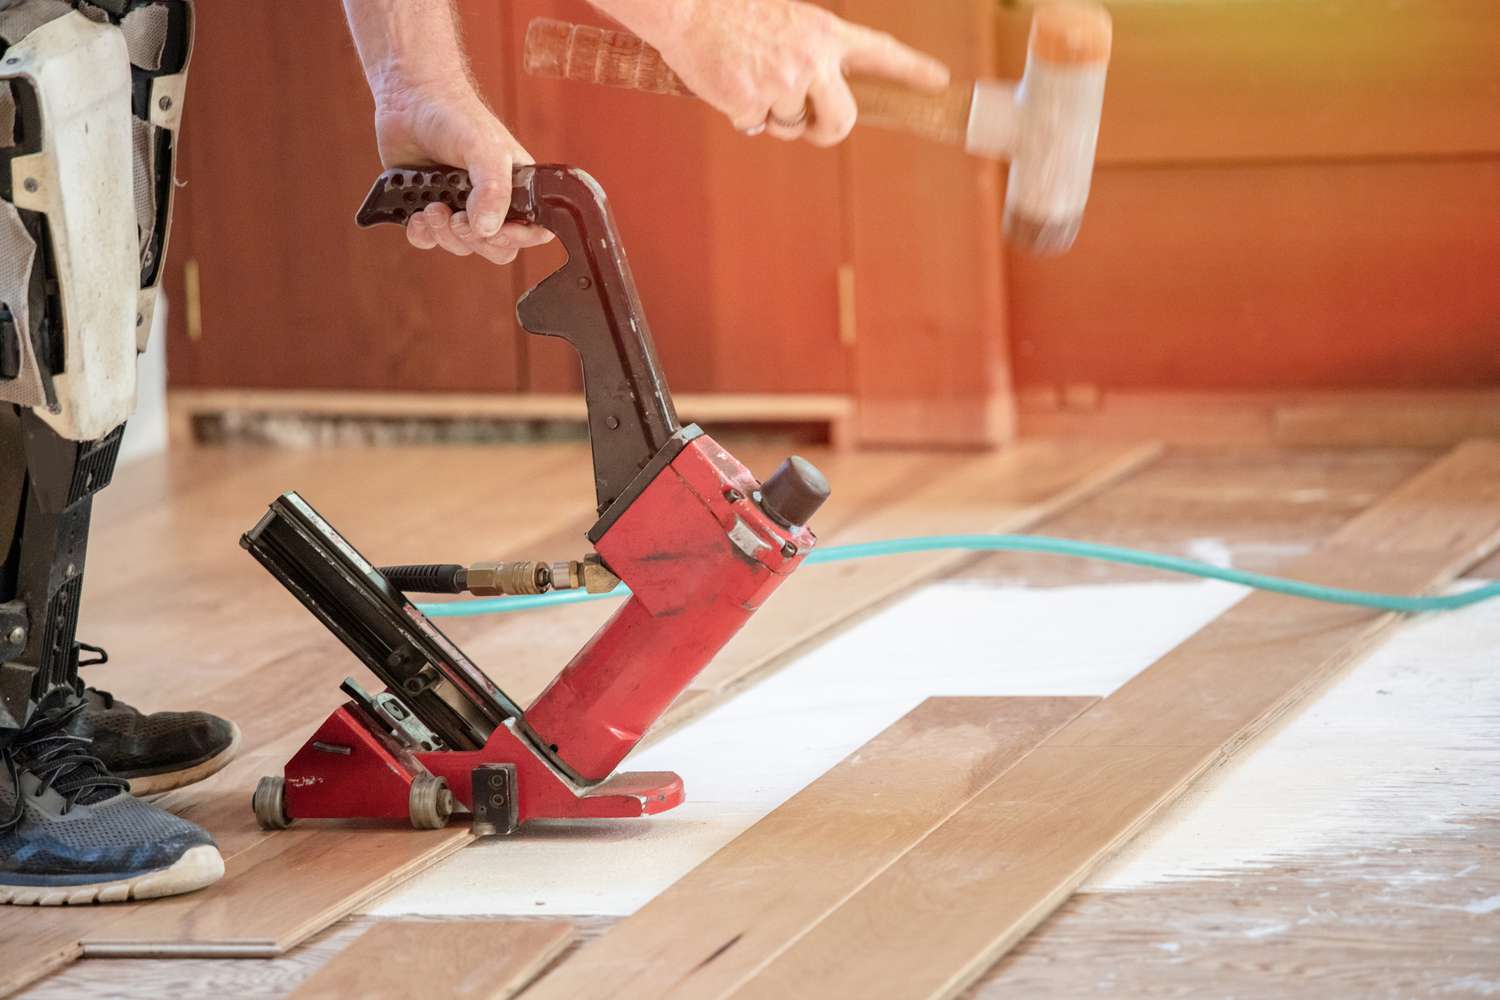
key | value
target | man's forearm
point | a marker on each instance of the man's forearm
(406, 44)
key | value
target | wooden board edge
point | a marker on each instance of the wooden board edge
(1028, 720)
(98, 944)
(544, 941)
(16, 978)
(1212, 761)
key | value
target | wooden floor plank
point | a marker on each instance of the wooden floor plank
(457, 959)
(756, 896)
(938, 917)
(32, 949)
(1173, 939)
(277, 893)
(277, 671)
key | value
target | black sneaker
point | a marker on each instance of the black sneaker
(70, 833)
(156, 752)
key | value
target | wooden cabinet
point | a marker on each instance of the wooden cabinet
(271, 284)
(764, 267)
(1291, 195)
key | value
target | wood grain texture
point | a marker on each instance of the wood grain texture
(729, 916)
(464, 960)
(278, 892)
(1182, 939)
(172, 575)
(33, 949)
(936, 919)
(1329, 924)
(1257, 508)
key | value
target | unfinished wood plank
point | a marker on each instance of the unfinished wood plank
(990, 492)
(31, 949)
(938, 917)
(277, 893)
(736, 911)
(461, 959)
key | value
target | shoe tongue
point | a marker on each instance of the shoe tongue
(84, 769)
(49, 745)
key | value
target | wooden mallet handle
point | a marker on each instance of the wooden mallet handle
(619, 59)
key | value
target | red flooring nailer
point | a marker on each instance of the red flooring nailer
(699, 540)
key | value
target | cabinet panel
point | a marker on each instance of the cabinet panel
(1295, 276)
(277, 152)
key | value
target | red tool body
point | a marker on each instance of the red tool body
(700, 542)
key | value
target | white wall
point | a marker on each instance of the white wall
(146, 433)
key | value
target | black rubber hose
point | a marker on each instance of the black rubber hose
(429, 579)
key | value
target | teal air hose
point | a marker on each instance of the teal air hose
(1023, 543)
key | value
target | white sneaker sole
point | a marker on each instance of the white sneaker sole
(155, 784)
(199, 867)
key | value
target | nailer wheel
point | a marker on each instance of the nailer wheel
(430, 803)
(269, 803)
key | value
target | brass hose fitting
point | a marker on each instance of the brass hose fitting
(495, 579)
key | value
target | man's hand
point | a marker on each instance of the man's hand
(427, 111)
(452, 126)
(774, 65)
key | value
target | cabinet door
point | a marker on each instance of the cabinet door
(271, 284)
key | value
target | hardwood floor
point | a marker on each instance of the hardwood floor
(167, 582)
(1279, 504)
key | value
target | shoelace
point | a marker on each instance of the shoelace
(101, 656)
(60, 761)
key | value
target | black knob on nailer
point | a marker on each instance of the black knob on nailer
(794, 492)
